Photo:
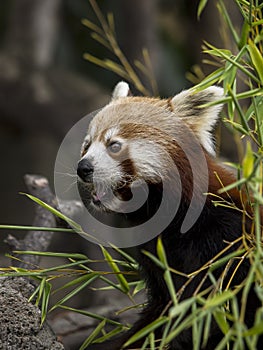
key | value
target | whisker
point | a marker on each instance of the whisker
(66, 174)
(67, 167)
(70, 187)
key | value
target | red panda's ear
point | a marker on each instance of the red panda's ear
(122, 89)
(190, 106)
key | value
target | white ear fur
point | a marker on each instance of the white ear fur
(121, 90)
(188, 106)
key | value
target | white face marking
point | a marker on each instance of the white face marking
(106, 169)
(111, 133)
(149, 160)
(92, 130)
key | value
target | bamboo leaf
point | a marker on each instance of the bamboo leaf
(90, 314)
(93, 335)
(201, 6)
(52, 254)
(147, 330)
(181, 308)
(97, 37)
(231, 186)
(57, 213)
(110, 334)
(154, 259)
(72, 283)
(256, 58)
(89, 278)
(122, 280)
(35, 228)
(220, 317)
(228, 20)
(139, 287)
(255, 330)
(92, 26)
(232, 60)
(248, 161)
(170, 285)
(45, 301)
(161, 252)
(219, 299)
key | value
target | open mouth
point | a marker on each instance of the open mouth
(104, 198)
(98, 197)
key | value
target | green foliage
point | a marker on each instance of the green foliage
(240, 70)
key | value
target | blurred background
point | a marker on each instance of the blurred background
(46, 85)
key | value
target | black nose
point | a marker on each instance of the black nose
(85, 170)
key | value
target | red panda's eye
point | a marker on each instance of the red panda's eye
(114, 147)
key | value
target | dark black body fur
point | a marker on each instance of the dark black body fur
(187, 253)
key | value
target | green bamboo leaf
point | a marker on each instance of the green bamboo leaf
(146, 330)
(220, 317)
(211, 79)
(93, 335)
(122, 280)
(219, 299)
(116, 68)
(72, 283)
(259, 37)
(35, 228)
(228, 21)
(90, 314)
(41, 290)
(52, 254)
(224, 344)
(126, 256)
(258, 197)
(111, 23)
(181, 308)
(219, 262)
(110, 334)
(197, 329)
(229, 76)
(108, 64)
(45, 301)
(101, 40)
(255, 330)
(76, 227)
(184, 324)
(243, 120)
(140, 285)
(89, 278)
(154, 259)
(244, 34)
(233, 185)
(223, 53)
(161, 252)
(238, 127)
(232, 60)
(248, 161)
(201, 6)
(92, 26)
(57, 213)
(207, 330)
(170, 285)
(256, 58)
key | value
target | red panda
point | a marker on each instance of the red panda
(138, 140)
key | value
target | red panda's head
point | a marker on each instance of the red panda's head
(138, 141)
